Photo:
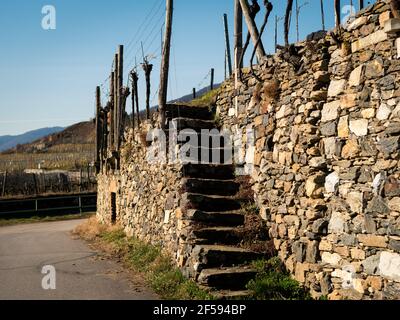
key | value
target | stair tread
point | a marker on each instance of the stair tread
(223, 248)
(227, 271)
(213, 196)
(231, 294)
(232, 212)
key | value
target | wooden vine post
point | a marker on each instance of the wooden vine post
(337, 14)
(251, 25)
(227, 44)
(163, 90)
(288, 15)
(147, 68)
(120, 93)
(98, 130)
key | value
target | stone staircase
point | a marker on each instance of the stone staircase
(209, 201)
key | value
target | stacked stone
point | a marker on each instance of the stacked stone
(327, 153)
(148, 196)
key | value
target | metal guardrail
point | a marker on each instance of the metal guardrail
(41, 205)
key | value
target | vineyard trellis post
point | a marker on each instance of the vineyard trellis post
(163, 90)
(337, 14)
(147, 68)
(227, 44)
(251, 25)
(288, 15)
(212, 79)
(98, 129)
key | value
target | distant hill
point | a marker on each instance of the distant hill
(10, 142)
(79, 134)
(70, 149)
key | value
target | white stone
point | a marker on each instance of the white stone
(398, 47)
(330, 111)
(336, 87)
(356, 76)
(232, 112)
(369, 40)
(359, 127)
(281, 113)
(336, 223)
(357, 23)
(355, 201)
(384, 112)
(389, 266)
(332, 182)
(332, 259)
(166, 216)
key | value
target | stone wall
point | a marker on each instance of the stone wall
(148, 196)
(326, 165)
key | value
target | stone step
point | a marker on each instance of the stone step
(197, 155)
(213, 256)
(209, 171)
(176, 111)
(209, 203)
(225, 219)
(235, 278)
(216, 235)
(210, 187)
(232, 295)
(197, 125)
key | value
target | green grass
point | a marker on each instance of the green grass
(36, 219)
(274, 283)
(205, 100)
(162, 276)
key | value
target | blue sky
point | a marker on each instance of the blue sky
(48, 78)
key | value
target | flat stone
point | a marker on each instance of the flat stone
(313, 183)
(371, 240)
(336, 87)
(357, 23)
(357, 254)
(384, 112)
(371, 264)
(351, 149)
(343, 127)
(359, 127)
(337, 223)
(332, 182)
(328, 129)
(317, 162)
(356, 76)
(370, 40)
(392, 25)
(389, 266)
(368, 113)
(330, 111)
(355, 201)
(332, 259)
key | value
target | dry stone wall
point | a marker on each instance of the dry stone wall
(147, 196)
(326, 165)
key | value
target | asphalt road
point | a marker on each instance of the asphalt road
(80, 272)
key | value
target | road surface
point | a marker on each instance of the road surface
(80, 272)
